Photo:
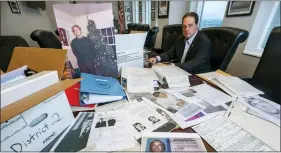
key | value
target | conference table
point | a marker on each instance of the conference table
(194, 80)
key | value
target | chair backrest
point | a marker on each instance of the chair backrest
(224, 42)
(170, 34)
(7, 45)
(267, 76)
(46, 39)
(151, 38)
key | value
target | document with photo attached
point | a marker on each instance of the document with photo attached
(110, 131)
(171, 142)
(206, 113)
(224, 135)
(144, 118)
(267, 109)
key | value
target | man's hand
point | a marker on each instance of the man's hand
(152, 60)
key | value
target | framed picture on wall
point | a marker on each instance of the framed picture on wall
(129, 18)
(152, 5)
(152, 16)
(163, 9)
(128, 9)
(239, 8)
(14, 7)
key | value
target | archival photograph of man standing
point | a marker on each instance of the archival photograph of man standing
(90, 33)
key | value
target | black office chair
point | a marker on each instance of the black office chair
(267, 76)
(46, 39)
(151, 38)
(224, 42)
(170, 34)
(7, 45)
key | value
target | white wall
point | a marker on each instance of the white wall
(241, 64)
(28, 21)
(176, 10)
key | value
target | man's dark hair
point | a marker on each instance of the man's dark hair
(191, 14)
(74, 27)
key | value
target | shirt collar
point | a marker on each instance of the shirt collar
(190, 40)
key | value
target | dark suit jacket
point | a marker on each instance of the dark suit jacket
(198, 55)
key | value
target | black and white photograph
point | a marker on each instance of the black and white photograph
(239, 8)
(264, 106)
(153, 119)
(101, 123)
(129, 18)
(128, 9)
(139, 127)
(152, 16)
(76, 136)
(14, 7)
(111, 121)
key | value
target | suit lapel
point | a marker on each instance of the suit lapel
(192, 46)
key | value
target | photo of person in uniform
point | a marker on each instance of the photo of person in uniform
(153, 119)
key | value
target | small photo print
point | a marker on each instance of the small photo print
(153, 119)
(139, 127)
(157, 145)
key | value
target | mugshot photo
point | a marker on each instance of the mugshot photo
(157, 145)
(89, 32)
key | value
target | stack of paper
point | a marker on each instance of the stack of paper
(14, 75)
(98, 89)
(138, 80)
(176, 107)
(235, 86)
(172, 75)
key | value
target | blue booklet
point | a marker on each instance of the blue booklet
(101, 85)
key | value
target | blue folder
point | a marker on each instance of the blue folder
(101, 85)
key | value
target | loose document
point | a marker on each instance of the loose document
(173, 75)
(110, 131)
(224, 135)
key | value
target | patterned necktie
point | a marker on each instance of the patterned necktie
(185, 51)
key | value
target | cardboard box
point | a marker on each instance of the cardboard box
(34, 121)
(36, 110)
(38, 59)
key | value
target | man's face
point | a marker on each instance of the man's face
(264, 106)
(152, 119)
(101, 120)
(157, 147)
(189, 27)
(76, 31)
(139, 126)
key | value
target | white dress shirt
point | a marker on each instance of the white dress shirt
(186, 48)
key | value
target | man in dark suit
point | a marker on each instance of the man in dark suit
(101, 123)
(191, 50)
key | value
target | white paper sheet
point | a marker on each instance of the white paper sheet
(211, 95)
(178, 81)
(111, 106)
(129, 50)
(138, 71)
(171, 73)
(224, 135)
(113, 126)
(266, 108)
(137, 84)
(238, 86)
(14, 75)
(171, 142)
(81, 108)
(97, 98)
